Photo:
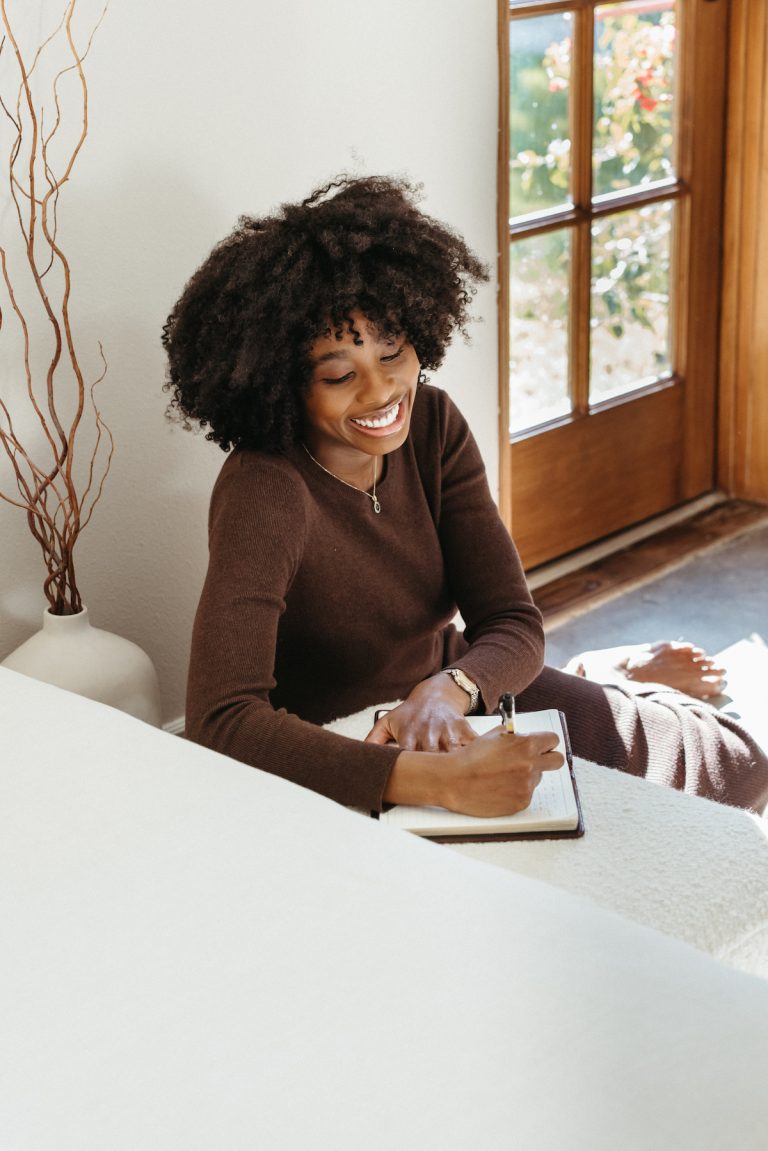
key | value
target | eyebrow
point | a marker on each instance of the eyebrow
(341, 354)
(327, 356)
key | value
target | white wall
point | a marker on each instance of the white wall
(197, 114)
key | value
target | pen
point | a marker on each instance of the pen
(507, 710)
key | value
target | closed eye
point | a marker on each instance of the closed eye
(338, 379)
(394, 355)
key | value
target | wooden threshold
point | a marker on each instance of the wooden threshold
(570, 595)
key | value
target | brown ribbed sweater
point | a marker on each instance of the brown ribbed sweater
(314, 607)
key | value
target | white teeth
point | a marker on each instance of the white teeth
(384, 421)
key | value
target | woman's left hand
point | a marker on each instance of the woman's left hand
(431, 718)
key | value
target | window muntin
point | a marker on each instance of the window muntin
(583, 273)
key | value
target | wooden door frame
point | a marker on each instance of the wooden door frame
(743, 423)
(502, 222)
(697, 339)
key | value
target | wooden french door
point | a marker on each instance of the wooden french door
(611, 173)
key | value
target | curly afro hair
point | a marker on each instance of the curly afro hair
(239, 338)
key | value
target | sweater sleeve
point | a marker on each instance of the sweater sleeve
(256, 537)
(502, 625)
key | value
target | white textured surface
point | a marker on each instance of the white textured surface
(688, 867)
(198, 955)
(691, 868)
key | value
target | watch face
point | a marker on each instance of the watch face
(463, 681)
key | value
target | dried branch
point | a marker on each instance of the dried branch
(45, 477)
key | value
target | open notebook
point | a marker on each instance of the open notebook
(553, 811)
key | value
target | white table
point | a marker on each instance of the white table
(197, 955)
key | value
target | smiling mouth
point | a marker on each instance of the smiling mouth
(385, 420)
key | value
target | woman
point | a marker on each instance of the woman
(354, 517)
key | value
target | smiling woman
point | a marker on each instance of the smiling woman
(353, 521)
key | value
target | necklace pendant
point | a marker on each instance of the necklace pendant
(376, 505)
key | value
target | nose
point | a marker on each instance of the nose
(377, 386)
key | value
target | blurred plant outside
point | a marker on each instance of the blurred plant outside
(632, 147)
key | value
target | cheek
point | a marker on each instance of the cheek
(320, 409)
(310, 410)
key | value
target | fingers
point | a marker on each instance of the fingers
(551, 761)
(684, 653)
(535, 743)
(422, 734)
(661, 645)
(380, 732)
(534, 752)
(538, 752)
(437, 736)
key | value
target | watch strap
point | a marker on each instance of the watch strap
(462, 680)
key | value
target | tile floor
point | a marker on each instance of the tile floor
(716, 598)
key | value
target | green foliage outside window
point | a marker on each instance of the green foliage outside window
(632, 147)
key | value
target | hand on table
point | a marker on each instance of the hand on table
(430, 719)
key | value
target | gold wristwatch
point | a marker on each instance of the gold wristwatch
(466, 684)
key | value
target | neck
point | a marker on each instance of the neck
(361, 472)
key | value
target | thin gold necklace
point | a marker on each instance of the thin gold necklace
(373, 498)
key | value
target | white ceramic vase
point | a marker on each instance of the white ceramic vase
(72, 654)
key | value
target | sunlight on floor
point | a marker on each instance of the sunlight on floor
(746, 662)
(747, 688)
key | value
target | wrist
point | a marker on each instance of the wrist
(419, 779)
(440, 689)
(467, 686)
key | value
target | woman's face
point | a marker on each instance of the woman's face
(360, 395)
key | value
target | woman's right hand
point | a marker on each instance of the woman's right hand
(495, 774)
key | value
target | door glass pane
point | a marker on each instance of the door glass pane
(538, 361)
(634, 71)
(539, 135)
(629, 323)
